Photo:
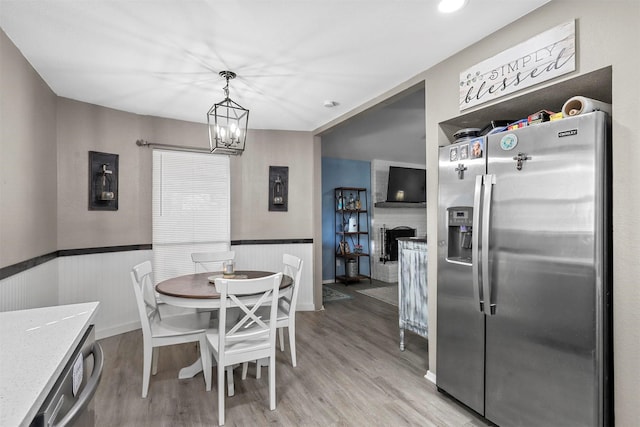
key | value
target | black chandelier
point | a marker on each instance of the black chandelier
(227, 121)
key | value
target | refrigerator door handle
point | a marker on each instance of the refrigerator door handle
(475, 244)
(489, 181)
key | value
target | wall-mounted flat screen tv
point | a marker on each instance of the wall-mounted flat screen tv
(407, 185)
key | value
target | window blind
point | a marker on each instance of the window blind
(191, 209)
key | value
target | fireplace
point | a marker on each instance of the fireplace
(390, 236)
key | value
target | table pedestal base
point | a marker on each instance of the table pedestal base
(191, 371)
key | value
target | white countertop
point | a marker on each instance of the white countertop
(35, 346)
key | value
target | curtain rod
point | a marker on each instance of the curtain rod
(143, 143)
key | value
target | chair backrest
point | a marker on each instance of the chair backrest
(250, 332)
(141, 278)
(211, 261)
(293, 269)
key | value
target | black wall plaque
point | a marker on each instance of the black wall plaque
(278, 188)
(103, 181)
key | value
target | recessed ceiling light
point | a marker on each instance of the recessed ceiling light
(448, 6)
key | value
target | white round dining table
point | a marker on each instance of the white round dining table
(198, 291)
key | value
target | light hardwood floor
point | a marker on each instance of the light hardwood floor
(350, 373)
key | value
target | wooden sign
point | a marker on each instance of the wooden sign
(541, 58)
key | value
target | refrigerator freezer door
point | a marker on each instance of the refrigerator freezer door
(460, 328)
(542, 363)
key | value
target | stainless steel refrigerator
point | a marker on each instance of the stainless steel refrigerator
(524, 274)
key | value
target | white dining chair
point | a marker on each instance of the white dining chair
(211, 261)
(286, 311)
(170, 330)
(251, 337)
(287, 304)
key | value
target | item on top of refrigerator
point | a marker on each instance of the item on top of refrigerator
(497, 130)
(556, 116)
(494, 124)
(580, 105)
(466, 134)
(539, 117)
(517, 124)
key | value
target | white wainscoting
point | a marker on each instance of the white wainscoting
(104, 277)
(33, 288)
(269, 258)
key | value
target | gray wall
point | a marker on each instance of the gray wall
(82, 128)
(28, 169)
(607, 34)
(250, 218)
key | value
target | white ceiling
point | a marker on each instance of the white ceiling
(162, 58)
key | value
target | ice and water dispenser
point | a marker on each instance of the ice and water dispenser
(459, 221)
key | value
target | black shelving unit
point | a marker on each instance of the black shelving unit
(351, 244)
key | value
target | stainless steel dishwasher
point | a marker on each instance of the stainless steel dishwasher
(70, 401)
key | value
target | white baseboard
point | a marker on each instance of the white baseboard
(431, 377)
(132, 326)
(305, 307)
(117, 330)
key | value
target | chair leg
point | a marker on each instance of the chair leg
(292, 343)
(245, 368)
(154, 360)
(272, 382)
(205, 357)
(146, 369)
(258, 369)
(281, 337)
(230, 384)
(220, 394)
